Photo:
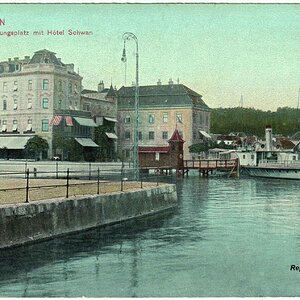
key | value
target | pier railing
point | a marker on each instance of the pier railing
(210, 164)
(34, 184)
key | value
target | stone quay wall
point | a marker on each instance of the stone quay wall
(29, 222)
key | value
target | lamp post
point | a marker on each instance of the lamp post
(135, 155)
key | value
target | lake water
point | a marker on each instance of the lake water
(228, 237)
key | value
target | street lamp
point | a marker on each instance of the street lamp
(135, 155)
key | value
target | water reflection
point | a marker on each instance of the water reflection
(229, 237)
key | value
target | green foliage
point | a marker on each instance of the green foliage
(252, 121)
(36, 145)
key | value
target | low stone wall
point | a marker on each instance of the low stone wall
(28, 222)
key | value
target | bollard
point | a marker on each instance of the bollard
(68, 173)
(57, 170)
(157, 177)
(27, 186)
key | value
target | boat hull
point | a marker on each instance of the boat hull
(273, 172)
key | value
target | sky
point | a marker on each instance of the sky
(221, 51)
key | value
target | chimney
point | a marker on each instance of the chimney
(268, 138)
(16, 58)
(9, 60)
(158, 82)
(100, 86)
(170, 81)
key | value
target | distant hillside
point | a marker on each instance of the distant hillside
(284, 121)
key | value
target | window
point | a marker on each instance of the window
(151, 135)
(156, 155)
(127, 119)
(29, 85)
(127, 153)
(75, 89)
(140, 136)
(59, 104)
(70, 88)
(15, 126)
(127, 135)
(15, 86)
(60, 85)
(165, 117)
(179, 117)
(15, 103)
(4, 104)
(45, 84)
(29, 125)
(4, 126)
(29, 103)
(151, 118)
(165, 135)
(45, 103)
(86, 106)
(45, 125)
(4, 86)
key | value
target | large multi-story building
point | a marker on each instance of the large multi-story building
(162, 108)
(41, 95)
(102, 104)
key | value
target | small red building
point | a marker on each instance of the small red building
(163, 158)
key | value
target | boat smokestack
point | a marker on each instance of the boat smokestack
(268, 138)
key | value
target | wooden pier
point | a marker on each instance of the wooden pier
(207, 166)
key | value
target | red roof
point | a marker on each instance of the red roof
(176, 137)
(154, 149)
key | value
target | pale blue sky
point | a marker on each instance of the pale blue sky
(219, 50)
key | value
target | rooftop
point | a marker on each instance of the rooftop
(161, 95)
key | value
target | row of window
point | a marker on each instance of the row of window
(14, 128)
(151, 118)
(45, 86)
(151, 135)
(44, 103)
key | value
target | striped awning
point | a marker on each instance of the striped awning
(55, 120)
(69, 121)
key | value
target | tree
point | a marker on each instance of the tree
(36, 145)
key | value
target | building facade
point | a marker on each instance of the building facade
(162, 108)
(102, 104)
(33, 92)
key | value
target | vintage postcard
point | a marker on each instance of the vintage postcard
(149, 150)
